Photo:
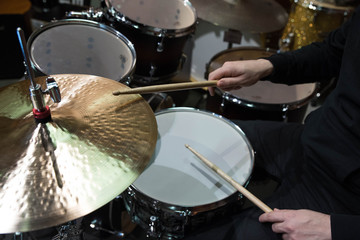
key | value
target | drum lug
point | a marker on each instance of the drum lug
(153, 226)
(182, 61)
(152, 70)
(90, 14)
(223, 102)
(160, 44)
(185, 214)
(127, 80)
(130, 205)
(286, 43)
(285, 109)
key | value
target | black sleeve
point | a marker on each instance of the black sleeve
(317, 62)
(345, 227)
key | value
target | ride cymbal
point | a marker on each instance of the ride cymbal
(258, 16)
(96, 145)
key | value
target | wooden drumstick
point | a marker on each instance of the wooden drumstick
(167, 87)
(235, 184)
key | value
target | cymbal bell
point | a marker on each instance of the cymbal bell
(257, 16)
(96, 145)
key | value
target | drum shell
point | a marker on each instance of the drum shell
(167, 63)
(173, 222)
(255, 105)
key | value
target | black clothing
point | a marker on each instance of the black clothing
(331, 137)
(318, 163)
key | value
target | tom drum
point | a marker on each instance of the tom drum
(263, 100)
(177, 192)
(78, 46)
(159, 30)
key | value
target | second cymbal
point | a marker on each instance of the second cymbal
(258, 16)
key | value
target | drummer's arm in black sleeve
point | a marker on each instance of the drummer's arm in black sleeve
(345, 227)
(317, 62)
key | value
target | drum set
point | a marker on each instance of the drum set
(75, 157)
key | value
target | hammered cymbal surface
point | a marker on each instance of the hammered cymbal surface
(96, 145)
(257, 16)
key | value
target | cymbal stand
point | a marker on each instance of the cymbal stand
(95, 224)
(41, 111)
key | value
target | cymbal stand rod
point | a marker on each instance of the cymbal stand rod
(41, 111)
(25, 53)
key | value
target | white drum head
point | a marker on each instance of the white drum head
(67, 47)
(176, 176)
(164, 14)
(266, 92)
(263, 92)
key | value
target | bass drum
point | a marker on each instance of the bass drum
(177, 193)
(77, 46)
(159, 30)
(264, 100)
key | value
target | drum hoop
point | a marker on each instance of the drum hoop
(270, 106)
(261, 106)
(88, 23)
(327, 7)
(146, 29)
(234, 50)
(220, 202)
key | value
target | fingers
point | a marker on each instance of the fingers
(226, 85)
(219, 73)
(211, 91)
(274, 216)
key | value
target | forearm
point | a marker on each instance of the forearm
(316, 62)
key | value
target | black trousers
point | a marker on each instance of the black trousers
(278, 150)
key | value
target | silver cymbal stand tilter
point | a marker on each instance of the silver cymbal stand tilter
(41, 111)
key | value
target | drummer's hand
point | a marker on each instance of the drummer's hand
(236, 74)
(299, 224)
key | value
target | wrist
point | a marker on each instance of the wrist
(266, 68)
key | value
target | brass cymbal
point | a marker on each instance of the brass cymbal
(96, 145)
(258, 16)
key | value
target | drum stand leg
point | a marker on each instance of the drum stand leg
(18, 236)
(69, 231)
(95, 224)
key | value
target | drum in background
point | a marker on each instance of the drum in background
(310, 21)
(77, 46)
(208, 40)
(264, 100)
(177, 192)
(159, 30)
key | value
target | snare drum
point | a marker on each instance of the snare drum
(159, 30)
(80, 46)
(310, 21)
(264, 100)
(177, 192)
